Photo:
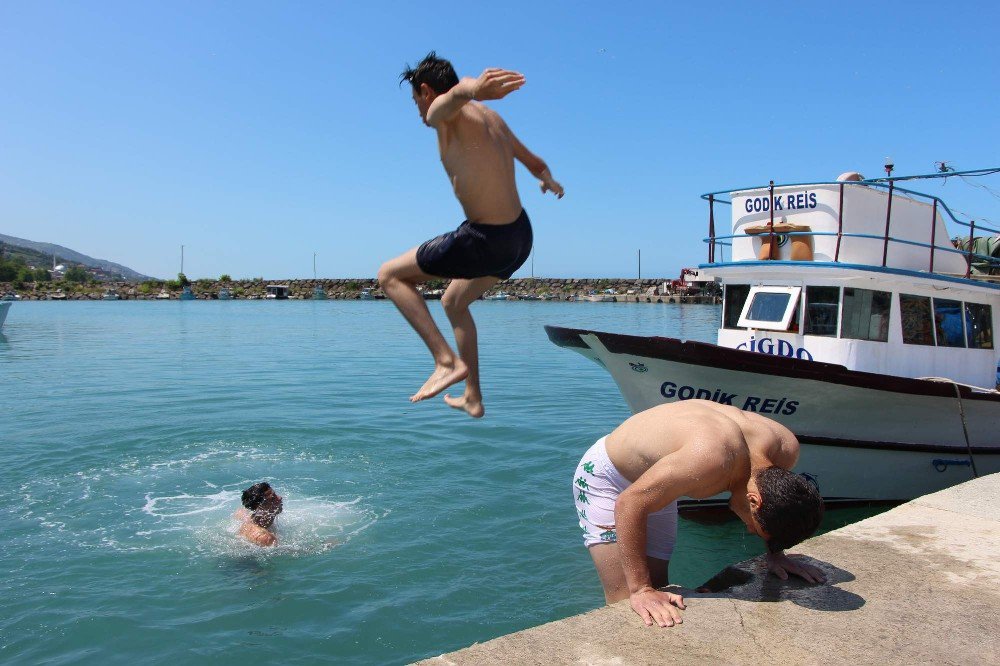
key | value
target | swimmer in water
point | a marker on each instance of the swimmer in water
(478, 150)
(627, 485)
(261, 506)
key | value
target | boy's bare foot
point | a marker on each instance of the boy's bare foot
(442, 377)
(473, 408)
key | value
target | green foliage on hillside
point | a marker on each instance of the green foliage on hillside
(77, 274)
(15, 269)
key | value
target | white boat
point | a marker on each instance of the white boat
(187, 294)
(225, 294)
(366, 295)
(277, 292)
(498, 296)
(606, 296)
(4, 309)
(853, 320)
(319, 294)
(59, 295)
(10, 296)
(164, 295)
(110, 295)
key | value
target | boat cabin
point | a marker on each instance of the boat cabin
(278, 291)
(861, 274)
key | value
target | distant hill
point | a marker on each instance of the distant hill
(40, 254)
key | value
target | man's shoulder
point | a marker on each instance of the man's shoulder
(257, 534)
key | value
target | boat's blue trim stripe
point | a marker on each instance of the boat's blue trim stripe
(854, 267)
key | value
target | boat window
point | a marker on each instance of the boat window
(866, 315)
(979, 325)
(770, 308)
(822, 308)
(948, 323)
(735, 298)
(918, 328)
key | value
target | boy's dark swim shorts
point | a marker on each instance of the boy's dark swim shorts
(478, 250)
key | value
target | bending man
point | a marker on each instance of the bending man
(627, 485)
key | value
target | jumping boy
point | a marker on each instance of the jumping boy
(478, 152)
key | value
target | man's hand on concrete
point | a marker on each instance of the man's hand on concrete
(781, 565)
(659, 607)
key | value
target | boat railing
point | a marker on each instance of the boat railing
(991, 264)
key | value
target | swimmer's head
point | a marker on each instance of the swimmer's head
(785, 509)
(265, 504)
(431, 77)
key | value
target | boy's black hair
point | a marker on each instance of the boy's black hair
(253, 496)
(790, 509)
(435, 72)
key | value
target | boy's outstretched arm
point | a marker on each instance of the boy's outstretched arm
(493, 83)
(538, 168)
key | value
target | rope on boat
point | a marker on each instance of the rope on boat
(965, 430)
(965, 427)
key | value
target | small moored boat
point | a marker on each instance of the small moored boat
(277, 292)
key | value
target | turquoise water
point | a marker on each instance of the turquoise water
(130, 428)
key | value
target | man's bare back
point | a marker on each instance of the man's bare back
(718, 441)
(477, 151)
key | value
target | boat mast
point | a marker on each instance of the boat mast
(314, 265)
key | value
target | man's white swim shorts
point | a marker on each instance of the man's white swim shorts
(596, 487)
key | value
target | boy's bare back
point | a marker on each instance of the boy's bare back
(720, 439)
(477, 150)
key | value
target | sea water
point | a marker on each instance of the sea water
(129, 430)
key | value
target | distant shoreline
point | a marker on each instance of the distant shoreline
(659, 290)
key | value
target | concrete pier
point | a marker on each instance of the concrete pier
(918, 584)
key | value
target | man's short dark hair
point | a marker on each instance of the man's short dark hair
(435, 72)
(790, 509)
(254, 496)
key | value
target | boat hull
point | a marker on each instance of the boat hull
(865, 436)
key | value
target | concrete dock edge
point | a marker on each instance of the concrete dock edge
(918, 584)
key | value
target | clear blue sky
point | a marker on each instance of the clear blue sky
(257, 133)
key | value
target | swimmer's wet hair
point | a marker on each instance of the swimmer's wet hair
(253, 496)
(435, 72)
(790, 510)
